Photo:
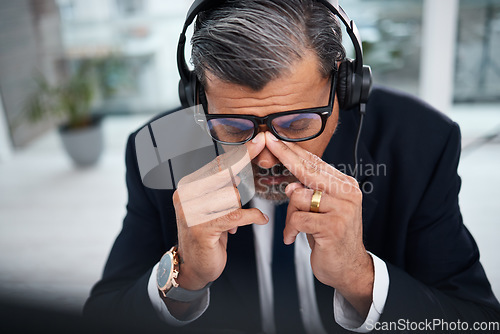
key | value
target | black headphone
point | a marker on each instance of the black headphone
(354, 79)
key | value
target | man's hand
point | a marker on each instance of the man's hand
(335, 234)
(207, 208)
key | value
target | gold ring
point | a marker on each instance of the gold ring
(315, 200)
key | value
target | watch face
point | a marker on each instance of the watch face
(164, 270)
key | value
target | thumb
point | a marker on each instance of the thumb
(256, 145)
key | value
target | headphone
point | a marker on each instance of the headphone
(354, 78)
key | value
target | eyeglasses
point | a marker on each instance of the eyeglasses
(293, 126)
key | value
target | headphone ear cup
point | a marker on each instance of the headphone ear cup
(344, 85)
(183, 95)
(187, 91)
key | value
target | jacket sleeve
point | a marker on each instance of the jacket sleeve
(442, 277)
(121, 295)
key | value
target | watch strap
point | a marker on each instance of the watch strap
(183, 295)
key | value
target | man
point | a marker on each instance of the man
(391, 246)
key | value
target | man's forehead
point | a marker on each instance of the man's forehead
(304, 70)
(304, 86)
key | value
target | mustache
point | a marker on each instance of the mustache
(276, 170)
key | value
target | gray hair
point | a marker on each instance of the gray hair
(252, 42)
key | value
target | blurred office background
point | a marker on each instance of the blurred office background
(58, 222)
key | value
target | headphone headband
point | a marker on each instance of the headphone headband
(197, 7)
(352, 31)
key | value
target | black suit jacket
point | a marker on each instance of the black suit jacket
(411, 220)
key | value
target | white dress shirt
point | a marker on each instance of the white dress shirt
(345, 315)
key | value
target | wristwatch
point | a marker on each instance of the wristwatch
(166, 279)
(168, 271)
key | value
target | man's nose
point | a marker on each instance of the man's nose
(266, 159)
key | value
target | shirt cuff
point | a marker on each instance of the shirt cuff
(347, 316)
(162, 309)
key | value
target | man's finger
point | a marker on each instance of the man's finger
(308, 172)
(313, 158)
(237, 218)
(300, 199)
(300, 221)
(223, 169)
(219, 200)
(209, 206)
(236, 158)
(210, 180)
(256, 145)
(233, 157)
(319, 162)
(198, 188)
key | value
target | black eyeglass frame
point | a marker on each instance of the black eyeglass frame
(324, 112)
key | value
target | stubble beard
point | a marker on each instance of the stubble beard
(272, 192)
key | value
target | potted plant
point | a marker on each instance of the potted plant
(71, 100)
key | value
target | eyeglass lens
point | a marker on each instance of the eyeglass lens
(294, 126)
(297, 126)
(231, 130)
